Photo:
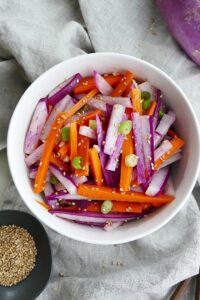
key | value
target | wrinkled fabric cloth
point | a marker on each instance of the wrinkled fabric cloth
(34, 36)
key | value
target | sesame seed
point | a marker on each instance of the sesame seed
(17, 254)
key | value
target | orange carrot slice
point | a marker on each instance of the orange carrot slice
(104, 192)
(96, 166)
(136, 100)
(151, 109)
(87, 84)
(58, 162)
(117, 207)
(91, 115)
(83, 147)
(177, 143)
(64, 150)
(73, 140)
(126, 172)
(50, 141)
(122, 85)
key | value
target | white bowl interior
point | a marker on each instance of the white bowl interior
(186, 170)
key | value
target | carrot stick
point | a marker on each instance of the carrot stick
(73, 140)
(104, 192)
(117, 207)
(127, 90)
(43, 204)
(136, 100)
(96, 166)
(64, 150)
(50, 141)
(177, 143)
(83, 147)
(91, 115)
(122, 85)
(151, 109)
(126, 172)
(87, 84)
(58, 162)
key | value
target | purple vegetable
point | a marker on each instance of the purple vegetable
(112, 131)
(164, 147)
(66, 181)
(65, 196)
(85, 216)
(35, 128)
(58, 187)
(63, 105)
(124, 101)
(87, 131)
(102, 85)
(111, 226)
(33, 172)
(79, 179)
(137, 131)
(63, 89)
(114, 158)
(158, 182)
(34, 156)
(182, 17)
(98, 104)
(111, 178)
(96, 224)
(148, 144)
(81, 203)
(48, 189)
(158, 107)
(163, 127)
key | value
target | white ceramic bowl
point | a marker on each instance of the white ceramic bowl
(185, 173)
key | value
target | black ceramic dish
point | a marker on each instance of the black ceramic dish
(33, 285)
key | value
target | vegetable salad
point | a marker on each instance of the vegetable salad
(100, 149)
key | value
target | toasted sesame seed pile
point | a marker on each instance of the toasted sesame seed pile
(17, 254)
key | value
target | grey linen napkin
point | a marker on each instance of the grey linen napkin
(35, 35)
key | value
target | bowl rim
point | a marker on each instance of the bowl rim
(88, 239)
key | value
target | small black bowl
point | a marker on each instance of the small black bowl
(34, 284)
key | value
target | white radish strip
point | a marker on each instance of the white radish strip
(169, 188)
(113, 225)
(37, 123)
(79, 179)
(112, 131)
(158, 182)
(59, 187)
(124, 101)
(102, 85)
(147, 87)
(137, 131)
(61, 106)
(162, 128)
(147, 142)
(34, 156)
(64, 179)
(162, 149)
(87, 131)
(48, 190)
(98, 104)
(171, 160)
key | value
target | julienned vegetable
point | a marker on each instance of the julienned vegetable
(103, 158)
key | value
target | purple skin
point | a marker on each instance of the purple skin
(183, 19)
(65, 89)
